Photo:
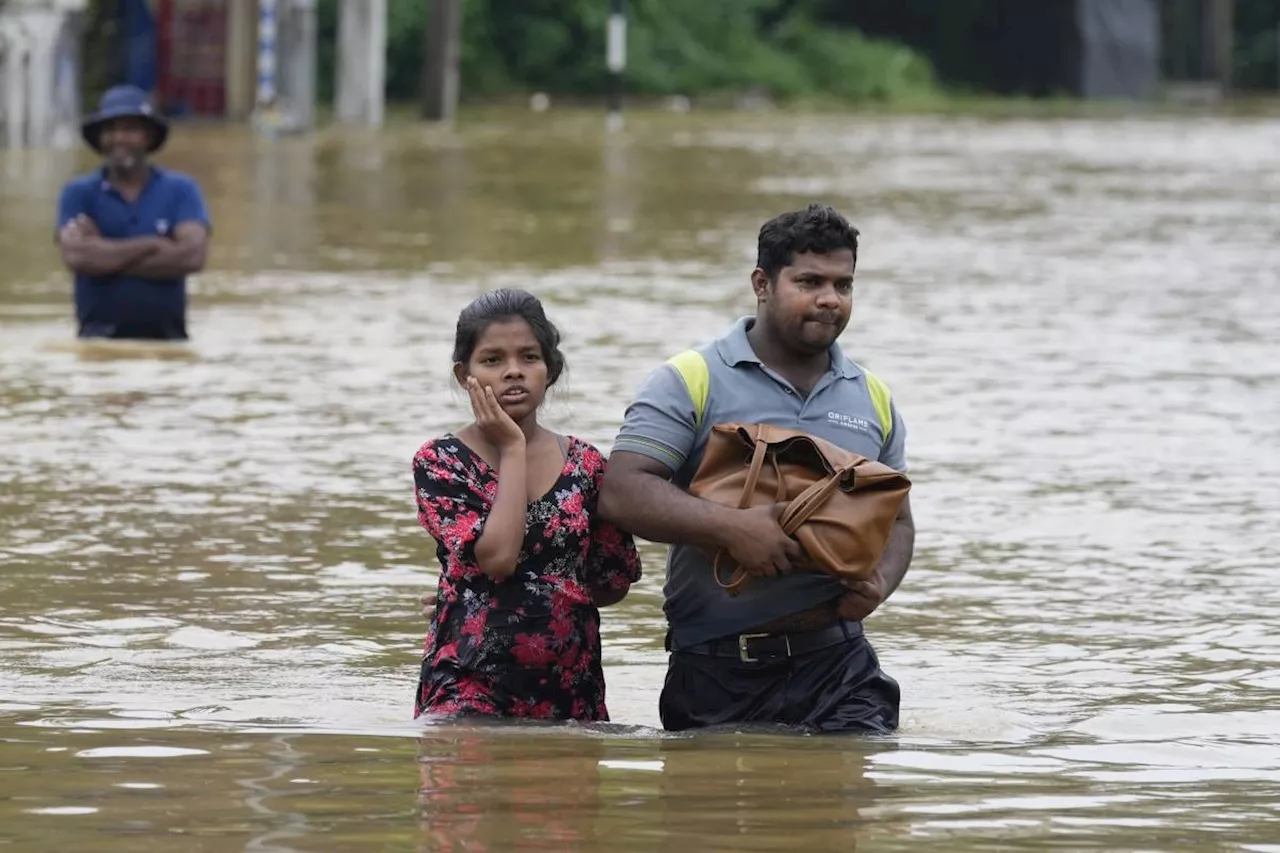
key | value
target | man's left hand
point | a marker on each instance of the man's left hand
(862, 597)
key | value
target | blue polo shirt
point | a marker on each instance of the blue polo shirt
(848, 406)
(127, 306)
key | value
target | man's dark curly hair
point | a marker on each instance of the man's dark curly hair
(818, 229)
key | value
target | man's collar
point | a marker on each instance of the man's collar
(735, 348)
(153, 172)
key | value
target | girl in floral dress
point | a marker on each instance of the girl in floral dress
(525, 561)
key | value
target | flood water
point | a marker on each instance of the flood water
(209, 561)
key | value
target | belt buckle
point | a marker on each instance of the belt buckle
(742, 646)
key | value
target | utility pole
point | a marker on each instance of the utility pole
(440, 82)
(299, 29)
(1220, 29)
(362, 62)
(615, 59)
(266, 113)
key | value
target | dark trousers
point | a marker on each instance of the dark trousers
(836, 688)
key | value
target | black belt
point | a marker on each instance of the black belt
(755, 648)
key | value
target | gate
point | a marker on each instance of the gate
(191, 53)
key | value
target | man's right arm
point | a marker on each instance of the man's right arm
(637, 494)
(86, 252)
(185, 250)
(97, 256)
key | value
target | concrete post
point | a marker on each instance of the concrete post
(268, 31)
(1218, 42)
(298, 61)
(362, 62)
(1224, 42)
(286, 63)
(440, 84)
(241, 67)
(616, 61)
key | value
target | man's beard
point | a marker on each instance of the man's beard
(125, 162)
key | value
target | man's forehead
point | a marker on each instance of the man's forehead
(835, 263)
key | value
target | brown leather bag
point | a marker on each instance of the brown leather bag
(840, 506)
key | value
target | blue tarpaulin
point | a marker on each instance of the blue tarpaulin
(139, 36)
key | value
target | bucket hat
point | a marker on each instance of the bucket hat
(125, 102)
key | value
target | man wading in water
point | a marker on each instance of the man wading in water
(130, 231)
(789, 649)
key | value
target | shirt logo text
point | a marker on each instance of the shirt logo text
(849, 422)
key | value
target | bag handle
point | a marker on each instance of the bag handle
(753, 473)
(739, 576)
(811, 500)
(736, 580)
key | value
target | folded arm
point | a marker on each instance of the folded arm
(86, 252)
(176, 257)
(97, 256)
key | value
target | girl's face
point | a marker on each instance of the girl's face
(508, 358)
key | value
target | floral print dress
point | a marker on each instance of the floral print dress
(527, 645)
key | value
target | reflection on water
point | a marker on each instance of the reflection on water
(718, 792)
(210, 562)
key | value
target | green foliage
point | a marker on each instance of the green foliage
(674, 47)
(1257, 48)
(788, 48)
(849, 65)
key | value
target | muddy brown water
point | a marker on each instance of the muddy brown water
(209, 560)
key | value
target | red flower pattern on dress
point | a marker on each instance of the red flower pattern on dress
(527, 646)
(533, 651)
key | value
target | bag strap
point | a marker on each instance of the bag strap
(735, 581)
(810, 501)
(739, 575)
(753, 473)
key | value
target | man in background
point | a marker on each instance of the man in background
(131, 231)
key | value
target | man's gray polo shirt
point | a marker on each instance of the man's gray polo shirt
(662, 423)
